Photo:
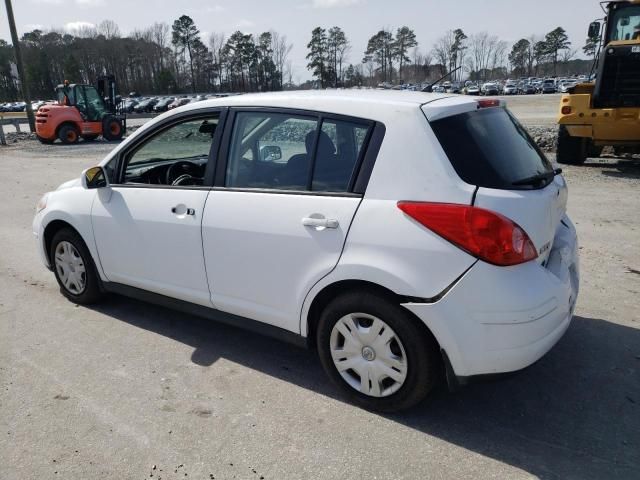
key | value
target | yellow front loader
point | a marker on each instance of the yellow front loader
(607, 112)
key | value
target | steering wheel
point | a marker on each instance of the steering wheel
(186, 179)
(180, 168)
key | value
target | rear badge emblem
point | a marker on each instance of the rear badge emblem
(635, 49)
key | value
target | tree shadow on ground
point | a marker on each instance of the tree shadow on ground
(574, 414)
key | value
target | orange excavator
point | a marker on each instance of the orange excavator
(81, 111)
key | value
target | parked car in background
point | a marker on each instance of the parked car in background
(146, 105)
(330, 227)
(548, 86)
(473, 89)
(564, 87)
(163, 104)
(490, 88)
(454, 87)
(128, 104)
(37, 104)
(510, 88)
(527, 89)
(438, 89)
(178, 102)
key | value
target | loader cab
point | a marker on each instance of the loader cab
(623, 23)
(85, 98)
(617, 81)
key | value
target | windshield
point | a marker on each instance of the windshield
(625, 24)
(489, 148)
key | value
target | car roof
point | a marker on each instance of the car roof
(365, 103)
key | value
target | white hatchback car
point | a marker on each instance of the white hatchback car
(407, 236)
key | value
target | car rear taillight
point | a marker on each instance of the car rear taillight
(482, 233)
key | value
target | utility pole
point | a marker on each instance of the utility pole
(23, 78)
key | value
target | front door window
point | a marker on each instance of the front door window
(176, 156)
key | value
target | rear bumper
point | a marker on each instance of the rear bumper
(503, 319)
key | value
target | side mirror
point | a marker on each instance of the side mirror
(270, 153)
(94, 177)
(594, 30)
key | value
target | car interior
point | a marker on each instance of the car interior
(176, 156)
(257, 161)
(267, 151)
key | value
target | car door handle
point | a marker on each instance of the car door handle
(182, 210)
(320, 222)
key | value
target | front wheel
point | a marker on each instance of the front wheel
(74, 268)
(376, 352)
(112, 128)
(571, 150)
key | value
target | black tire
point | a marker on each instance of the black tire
(594, 150)
(571, 150)
(91, 293)
(68, 134)
(112, 128)
(44, 141)
(89, 138)
(421, 349)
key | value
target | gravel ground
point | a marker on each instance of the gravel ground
(129, 390)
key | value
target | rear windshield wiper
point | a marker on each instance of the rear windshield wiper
(535, 179)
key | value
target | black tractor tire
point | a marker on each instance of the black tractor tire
(89, 138)
(594, 150)
(571, 150)
(68, 134)
(44, 141)
(91, 291)
(423, 361)
(112, 128)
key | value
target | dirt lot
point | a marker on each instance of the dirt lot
(128, 390)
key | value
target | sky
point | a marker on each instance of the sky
(360, 19)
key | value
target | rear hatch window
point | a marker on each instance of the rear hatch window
(489, 148)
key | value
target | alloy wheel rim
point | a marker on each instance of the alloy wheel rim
(368, 355)
(70, 268)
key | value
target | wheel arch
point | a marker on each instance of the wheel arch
(51, 229)
(332, 290)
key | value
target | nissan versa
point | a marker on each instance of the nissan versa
(408, 237)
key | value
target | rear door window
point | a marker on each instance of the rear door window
(489, 148)
(291, 151)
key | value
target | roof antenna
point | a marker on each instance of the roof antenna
(429, 88)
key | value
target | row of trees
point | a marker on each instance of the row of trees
(395, 57)
(158, 59)
(174, 59)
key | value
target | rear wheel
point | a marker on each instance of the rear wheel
(376, 352)
(571, 150)
(68, 134)
(112, 128)
(74, 268)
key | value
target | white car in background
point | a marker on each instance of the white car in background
(407, 236)
(564, 87)
(510, 89)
